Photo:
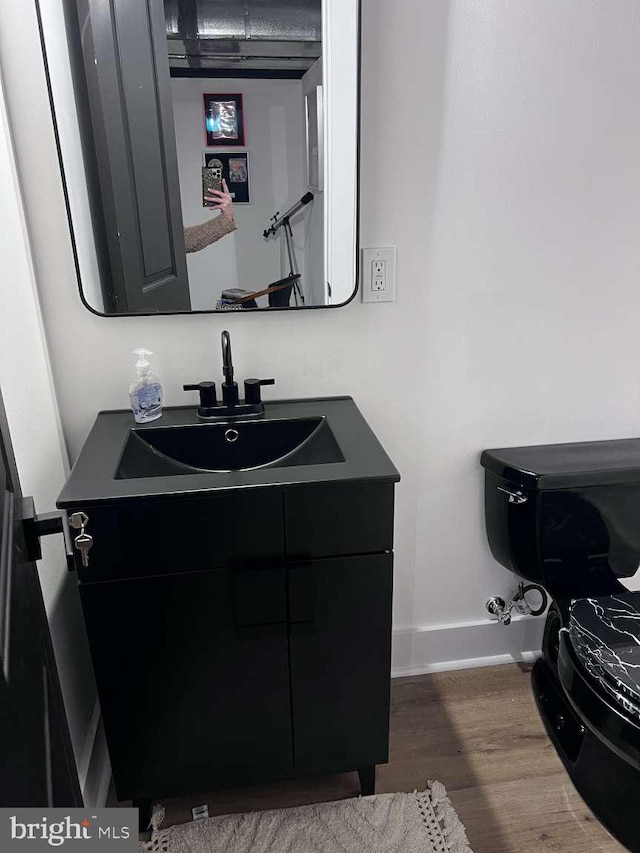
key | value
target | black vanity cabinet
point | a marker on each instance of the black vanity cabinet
(239, 621)
(242, 637)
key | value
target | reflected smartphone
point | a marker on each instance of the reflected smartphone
(211, 179)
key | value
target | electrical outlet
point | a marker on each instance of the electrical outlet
(378, 275)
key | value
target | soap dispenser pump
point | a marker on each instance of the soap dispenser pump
(145, 392)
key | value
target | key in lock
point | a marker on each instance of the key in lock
(83, 543)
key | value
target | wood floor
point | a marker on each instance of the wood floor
(479, 733)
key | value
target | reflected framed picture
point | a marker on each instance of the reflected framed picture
(234, 168)
(223, 119)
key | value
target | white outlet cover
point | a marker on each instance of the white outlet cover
(369, 293)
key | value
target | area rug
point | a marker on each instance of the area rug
(422, 822)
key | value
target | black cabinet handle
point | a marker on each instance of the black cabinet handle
(302, 594)
(259, 596)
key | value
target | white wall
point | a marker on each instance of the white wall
(274, 135)
(34, 424)
(518, 276)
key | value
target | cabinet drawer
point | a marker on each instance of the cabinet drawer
(332, 520)
(150, 538)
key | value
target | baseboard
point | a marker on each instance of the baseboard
(417, 651)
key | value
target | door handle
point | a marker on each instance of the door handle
(35, 526)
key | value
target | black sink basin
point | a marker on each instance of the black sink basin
(122, 461)
(238, 446)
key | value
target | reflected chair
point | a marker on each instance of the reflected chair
(279, 293)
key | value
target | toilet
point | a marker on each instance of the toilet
(567, 517)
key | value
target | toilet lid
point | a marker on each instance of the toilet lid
(605, 633)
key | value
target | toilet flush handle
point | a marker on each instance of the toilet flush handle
(515, 495)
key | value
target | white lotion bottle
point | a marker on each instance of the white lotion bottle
(145, 392)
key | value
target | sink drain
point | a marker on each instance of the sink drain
(232, 435)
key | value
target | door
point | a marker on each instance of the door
(193, 677)
(37, 766)
(119, 53)
(340, 647)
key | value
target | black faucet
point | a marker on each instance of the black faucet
(230, 396)
(231, 406)
(227, 361)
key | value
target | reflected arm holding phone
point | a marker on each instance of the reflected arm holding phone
(198, 237)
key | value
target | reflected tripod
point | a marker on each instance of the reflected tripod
(277, 222)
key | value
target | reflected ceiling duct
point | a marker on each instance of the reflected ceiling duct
(244, 35)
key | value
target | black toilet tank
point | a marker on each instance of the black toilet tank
(565, 515)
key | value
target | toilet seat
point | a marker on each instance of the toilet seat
(605, 634)
(601, 693)
(615, 692)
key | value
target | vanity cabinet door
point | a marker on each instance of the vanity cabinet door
(340, 648)
(193, 678)
(123, 90)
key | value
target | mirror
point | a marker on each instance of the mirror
(208, 150)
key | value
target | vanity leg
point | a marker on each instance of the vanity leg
(144, 814)
(367, 776)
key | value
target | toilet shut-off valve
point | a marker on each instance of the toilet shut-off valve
(497, 606)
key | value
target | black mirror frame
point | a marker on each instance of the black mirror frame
(227, 313)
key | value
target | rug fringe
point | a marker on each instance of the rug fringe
(454, 831)
(159, 841)
(157, 817)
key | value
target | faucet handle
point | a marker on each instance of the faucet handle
(252, 390)
(207, 393)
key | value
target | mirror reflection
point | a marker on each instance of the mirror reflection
(251, 200)
(196, 158)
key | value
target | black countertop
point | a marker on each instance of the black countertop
(92, 480)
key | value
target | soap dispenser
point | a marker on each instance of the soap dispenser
(145, 392)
